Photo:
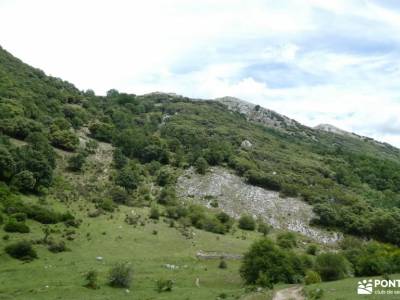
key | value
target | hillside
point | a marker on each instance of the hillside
(152, 180)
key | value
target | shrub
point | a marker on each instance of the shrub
(120, 276)
(264, 228)
(164, 285)
(20, 217)
(266, 264)
(21, 250)
(107, 205)
(312, 277)
(167, 196)
(201, 165)
(91, 279)
(287, 240)
(64, 139)
(247, 222)
(312, 249)
(222, 264)
(57, 247)
(165, 177)
(119, 195)
(76, 162)
(332, 266)
(315, 294)
(154, 213)
(24, 181)
(14, 226)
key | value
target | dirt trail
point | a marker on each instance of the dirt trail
(292, 293)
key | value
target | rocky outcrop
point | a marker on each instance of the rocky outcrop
(235, 196)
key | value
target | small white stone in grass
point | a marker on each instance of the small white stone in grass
(127, 291)
(99, 258)
(46, 286)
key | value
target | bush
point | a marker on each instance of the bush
(24, 181)
(120, 276)
(14, 226)
(154, 213)
(64, 139)
(167, 196)
(201, 165)
(315, 294)
(287, 240)
(312, 249)
(119, 195)
(266, 263)
(76, 162)
(264, 228)
(21, 250)
(332, 266)
(312, 277)
(20, 217)
(247, 222)
(222, 264)
(91, 280)
(107, 205)
(57, 247)
(164, 285)
(165, 177)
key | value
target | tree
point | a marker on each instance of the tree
(201, 165)
(7, 164)
(120, 275)
(24, 181)
(76, 162)
(287, 240)
(64, 139)
(267, 264)
(21, 250)
(332, 266)
(247, 222)
(128, 177)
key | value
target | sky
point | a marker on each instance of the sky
(316, 61)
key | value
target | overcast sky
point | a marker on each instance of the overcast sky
(317, 61)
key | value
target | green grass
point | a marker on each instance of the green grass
(346, 289)
(60, 276)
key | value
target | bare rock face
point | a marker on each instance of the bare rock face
(234, 196)
(258, 114)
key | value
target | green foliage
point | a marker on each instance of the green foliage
(128, 177)
(21, 250)
(65, 139)
(266, 264)
(332, 266)
(312, 277)
(24, 181)
(201, 165)
(154, 213)
(165, 177)
(167, 196)
(247, 222)
(312, 249)
(119, 195)
(76, 162)
(57, 247)
(263, 227)
(120, 275)
(14, 226)
(164, 285)
(91, 278)
(222, 264)
(287, 240)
